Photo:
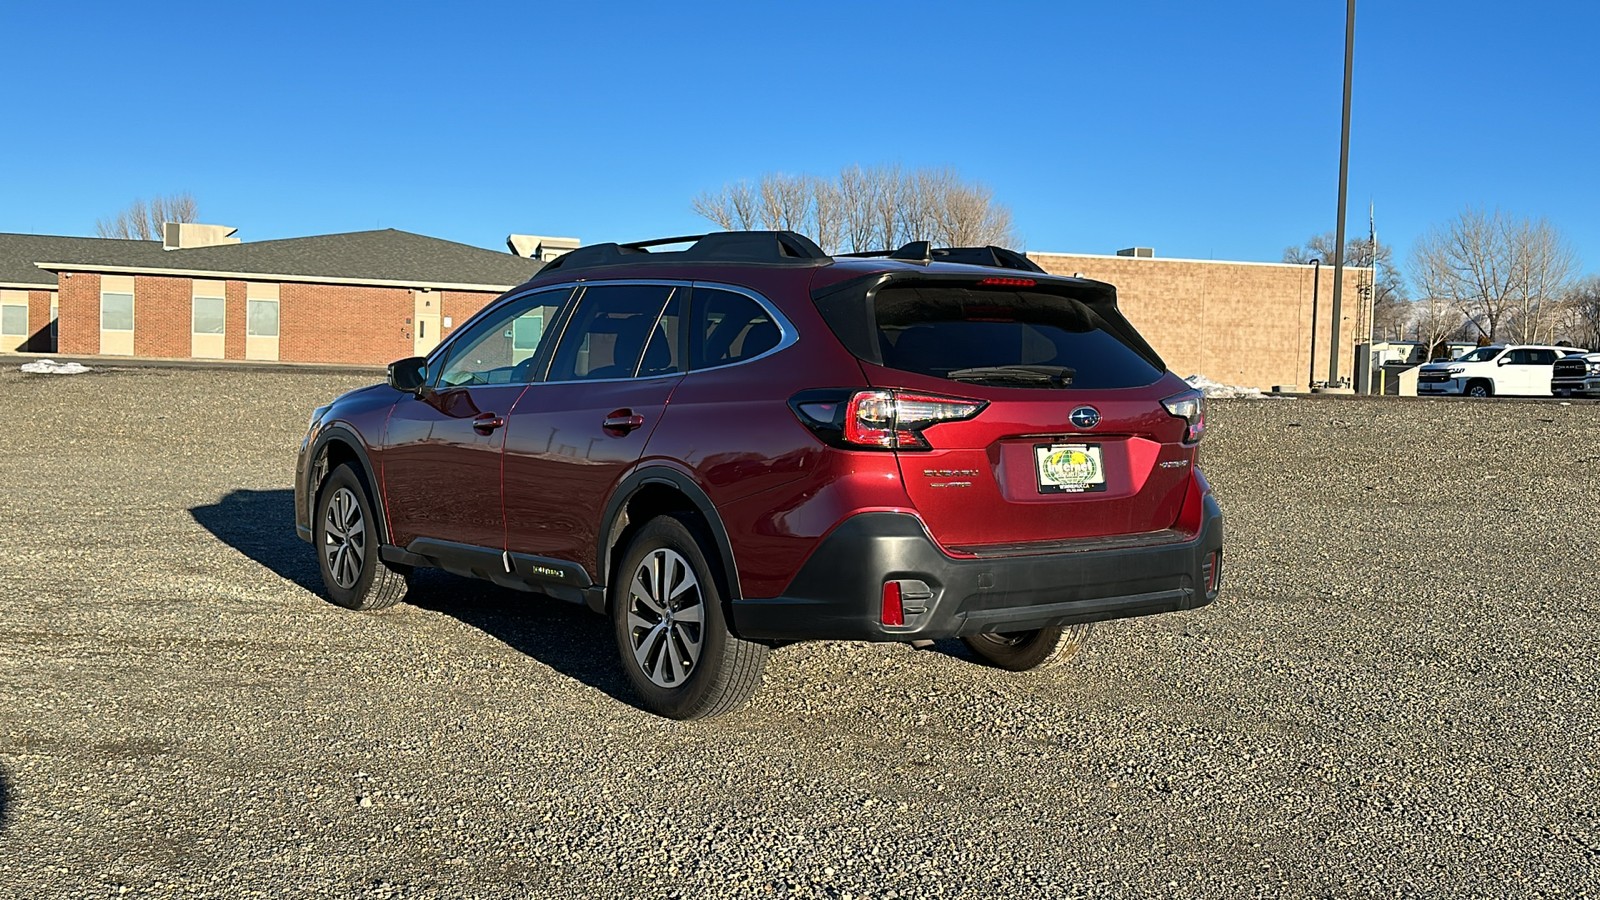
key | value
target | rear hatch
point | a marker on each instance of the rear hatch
(1064, 434)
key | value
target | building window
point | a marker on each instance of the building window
(263, 318)
(210, 315)
(116, 312)
(14, 320)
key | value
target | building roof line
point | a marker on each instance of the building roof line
(213, 275)
(28, 286)
(1179, 259)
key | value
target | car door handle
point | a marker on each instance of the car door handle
(622, 421)
(488, 422)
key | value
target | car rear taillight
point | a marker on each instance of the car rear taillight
(879, 419)
(1190, 406)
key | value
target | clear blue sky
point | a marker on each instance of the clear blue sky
(1203, 130)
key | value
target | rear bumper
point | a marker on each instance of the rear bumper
(838, 593)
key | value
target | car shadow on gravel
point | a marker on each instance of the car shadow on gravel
(260, 524)
(568, 638)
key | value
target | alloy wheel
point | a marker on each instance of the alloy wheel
(666, 617)
(344, 542)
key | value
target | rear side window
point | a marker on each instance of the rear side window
(729, 328)
(610, 330)
(939, 330)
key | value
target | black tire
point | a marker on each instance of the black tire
(346, 537)
(1479, 389)
(1019, 651)
(680, 656)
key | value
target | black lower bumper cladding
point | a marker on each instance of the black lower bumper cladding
(838, 593)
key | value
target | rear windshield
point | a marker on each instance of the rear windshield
(939, 330)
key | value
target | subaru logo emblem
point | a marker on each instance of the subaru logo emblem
(1084, 417)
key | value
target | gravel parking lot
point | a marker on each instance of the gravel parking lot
(1396, 694)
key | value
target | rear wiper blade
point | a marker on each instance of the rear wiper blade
(1055, 376)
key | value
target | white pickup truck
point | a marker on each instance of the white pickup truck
(1515, 369)
(1576, 376)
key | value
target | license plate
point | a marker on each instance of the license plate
(1070, 468)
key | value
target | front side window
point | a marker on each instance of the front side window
(501, 347)
(1482, 354)
(262, 318)
(729, 327)
(116, 311)
(209, 315)
(14, 320)
(610, 330)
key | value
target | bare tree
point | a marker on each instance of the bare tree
(1498, 270)
(866, 209)
(1434, 319)
(1578, 316)
(1387, 289)
(142, 221)
(855, 197)
(733, 207)
(1548, 264)
(827, 212)
(785, 202)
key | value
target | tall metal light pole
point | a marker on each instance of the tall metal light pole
(1344, 178)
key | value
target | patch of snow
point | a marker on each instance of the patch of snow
(1218, 390)
(51, 367)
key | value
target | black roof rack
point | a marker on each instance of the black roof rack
(925, 252)
(719, 246)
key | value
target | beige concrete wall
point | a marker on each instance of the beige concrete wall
(208, 346)
(1247, 324)
(262, 346)
(16, 300)
(118, 343)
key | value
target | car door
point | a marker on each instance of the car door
(1516, 372)
(1542, 362)
(576, 433)
(441, 454)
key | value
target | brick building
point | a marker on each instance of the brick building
(364, 297)
(375, 296)
(1240, 323)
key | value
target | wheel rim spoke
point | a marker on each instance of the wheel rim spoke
(641, 650)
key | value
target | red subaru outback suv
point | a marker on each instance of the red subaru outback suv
(749, 442)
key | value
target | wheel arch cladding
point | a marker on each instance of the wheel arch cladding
(657, 491)
(337, 446)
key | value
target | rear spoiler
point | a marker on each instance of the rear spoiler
(848, 306)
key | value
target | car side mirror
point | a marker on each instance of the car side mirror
(1503, 360)
(408, 375)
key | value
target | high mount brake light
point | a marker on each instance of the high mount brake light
(998, 281)
(879, 419)
(1190, 406)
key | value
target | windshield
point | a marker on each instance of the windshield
(1482, 354)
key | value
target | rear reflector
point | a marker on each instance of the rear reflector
(893, 613)
(1211, 571)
